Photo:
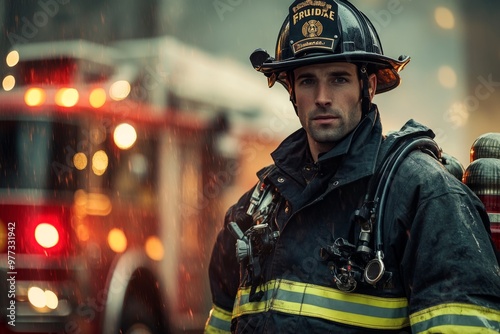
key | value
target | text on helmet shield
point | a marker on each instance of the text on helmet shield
(313, 25)
(329, 14)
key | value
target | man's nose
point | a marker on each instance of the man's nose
(323, 96)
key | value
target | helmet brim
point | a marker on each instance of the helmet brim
(385, 68)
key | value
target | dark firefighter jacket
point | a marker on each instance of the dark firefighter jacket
(445, 274)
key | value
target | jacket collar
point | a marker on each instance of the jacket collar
(354, 156)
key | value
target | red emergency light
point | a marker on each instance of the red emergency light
(47, 72)
(43, 230)
(62, 71)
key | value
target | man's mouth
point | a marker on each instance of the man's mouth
(324, 118)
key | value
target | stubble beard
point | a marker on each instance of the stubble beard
(327, 133)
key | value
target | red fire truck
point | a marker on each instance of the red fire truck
(112, 180)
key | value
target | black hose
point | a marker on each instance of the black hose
(389, 169)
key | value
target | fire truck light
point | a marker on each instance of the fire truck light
(41, 299)
(97, 97)
(52, 300)
(119, 90)
(36, 296)
(46, 235)
(8, 83)
(12, 58)
(124, 136)
(67, 97)
(154, 248)
(34, 97)
(99, 162)
(117, 240)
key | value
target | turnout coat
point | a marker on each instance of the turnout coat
(436, 244)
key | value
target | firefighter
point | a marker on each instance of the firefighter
(350, 231)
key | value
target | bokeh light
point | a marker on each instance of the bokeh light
(67, 97)
(46, 235)
(99, 162)
(154, 248)
(8, 83)
(12, 58)
(80, 161)
(117, 240)
(34, 97)
(36, 297)
(444, 18)
(97, 97)
(447, 77)
(125, 136)
(119, 90)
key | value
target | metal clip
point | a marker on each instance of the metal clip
(375, 269)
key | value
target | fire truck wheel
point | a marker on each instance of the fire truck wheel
(140, 317)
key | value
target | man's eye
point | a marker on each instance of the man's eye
(305, 82)
(340, 80)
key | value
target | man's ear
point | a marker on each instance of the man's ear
(372, 81)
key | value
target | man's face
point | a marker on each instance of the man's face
(328, 101)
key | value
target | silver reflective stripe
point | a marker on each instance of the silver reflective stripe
(494, 217)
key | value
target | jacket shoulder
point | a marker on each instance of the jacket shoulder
(264, 172)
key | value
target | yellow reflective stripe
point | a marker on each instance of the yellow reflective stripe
(456, 318)
(221, 313)
(330, 293)
(326, 303)
(219, 321)
(459, 330)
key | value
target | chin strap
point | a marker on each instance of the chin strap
(366, 103)
(291, 91)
